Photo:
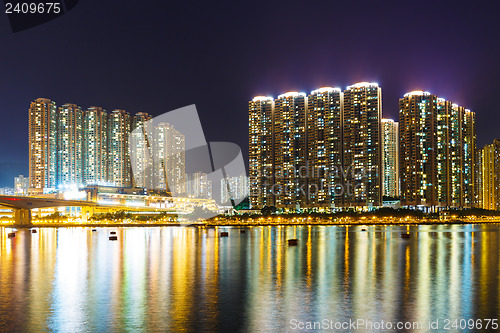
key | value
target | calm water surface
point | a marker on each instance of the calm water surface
(189, 279)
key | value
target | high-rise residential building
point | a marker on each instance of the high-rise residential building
(119, 169)
(169, 159)
(142, 157)
(454, 155)
(419, 156)
(261, 151)
(478, 181)
(21, 185)
(290, 150)
(390, 158)
(225, 193)
(95, 146)
(199, 186)
(437, 152)
(490, 176)
(69, 146)
(470, 170)
(325, 151)
(42, 145)
(362, 141)
(234, 188)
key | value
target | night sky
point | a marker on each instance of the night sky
(156, 56)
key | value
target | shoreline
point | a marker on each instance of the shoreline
(210, 224)
(349, 223)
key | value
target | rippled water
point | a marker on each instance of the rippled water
(182, 278)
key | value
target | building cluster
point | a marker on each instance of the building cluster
(436, 152)
(21, 186)
(330, 149)
(71, 147)
(157, 155)
(7, 191)
(333, 149)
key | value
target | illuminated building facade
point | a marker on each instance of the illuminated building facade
(119, 172)
(143, 172)
(7, 191)
(95, 146)
(42, 144)
(437, 152)
(199, 186)
(362, 140)
(169, 159)
(321, 150)
(390, 158)
(490, 176)
(21, 185)
(470, 160)
(325, 150)
(238, 188)
(261, 151)
(69, 146)
(290, 150)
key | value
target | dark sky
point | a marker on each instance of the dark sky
(156, 56)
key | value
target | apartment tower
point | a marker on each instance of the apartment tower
(119, 170)
(390, 158)
(95, 146)
(261, 151)
(490, 176)
(325, 150)
(290, 150)
(362, 141)
(142, 157)
(42, 128)
(69, 146)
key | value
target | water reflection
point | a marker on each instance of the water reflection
(73, 279)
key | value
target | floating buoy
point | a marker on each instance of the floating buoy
(224, 234)
(405, 235)
(113, 238)
(242, 231)
(112, 233)
(11, 234)
(293, 242)
(33, 231)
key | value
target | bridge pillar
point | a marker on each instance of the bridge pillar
(22, 216)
